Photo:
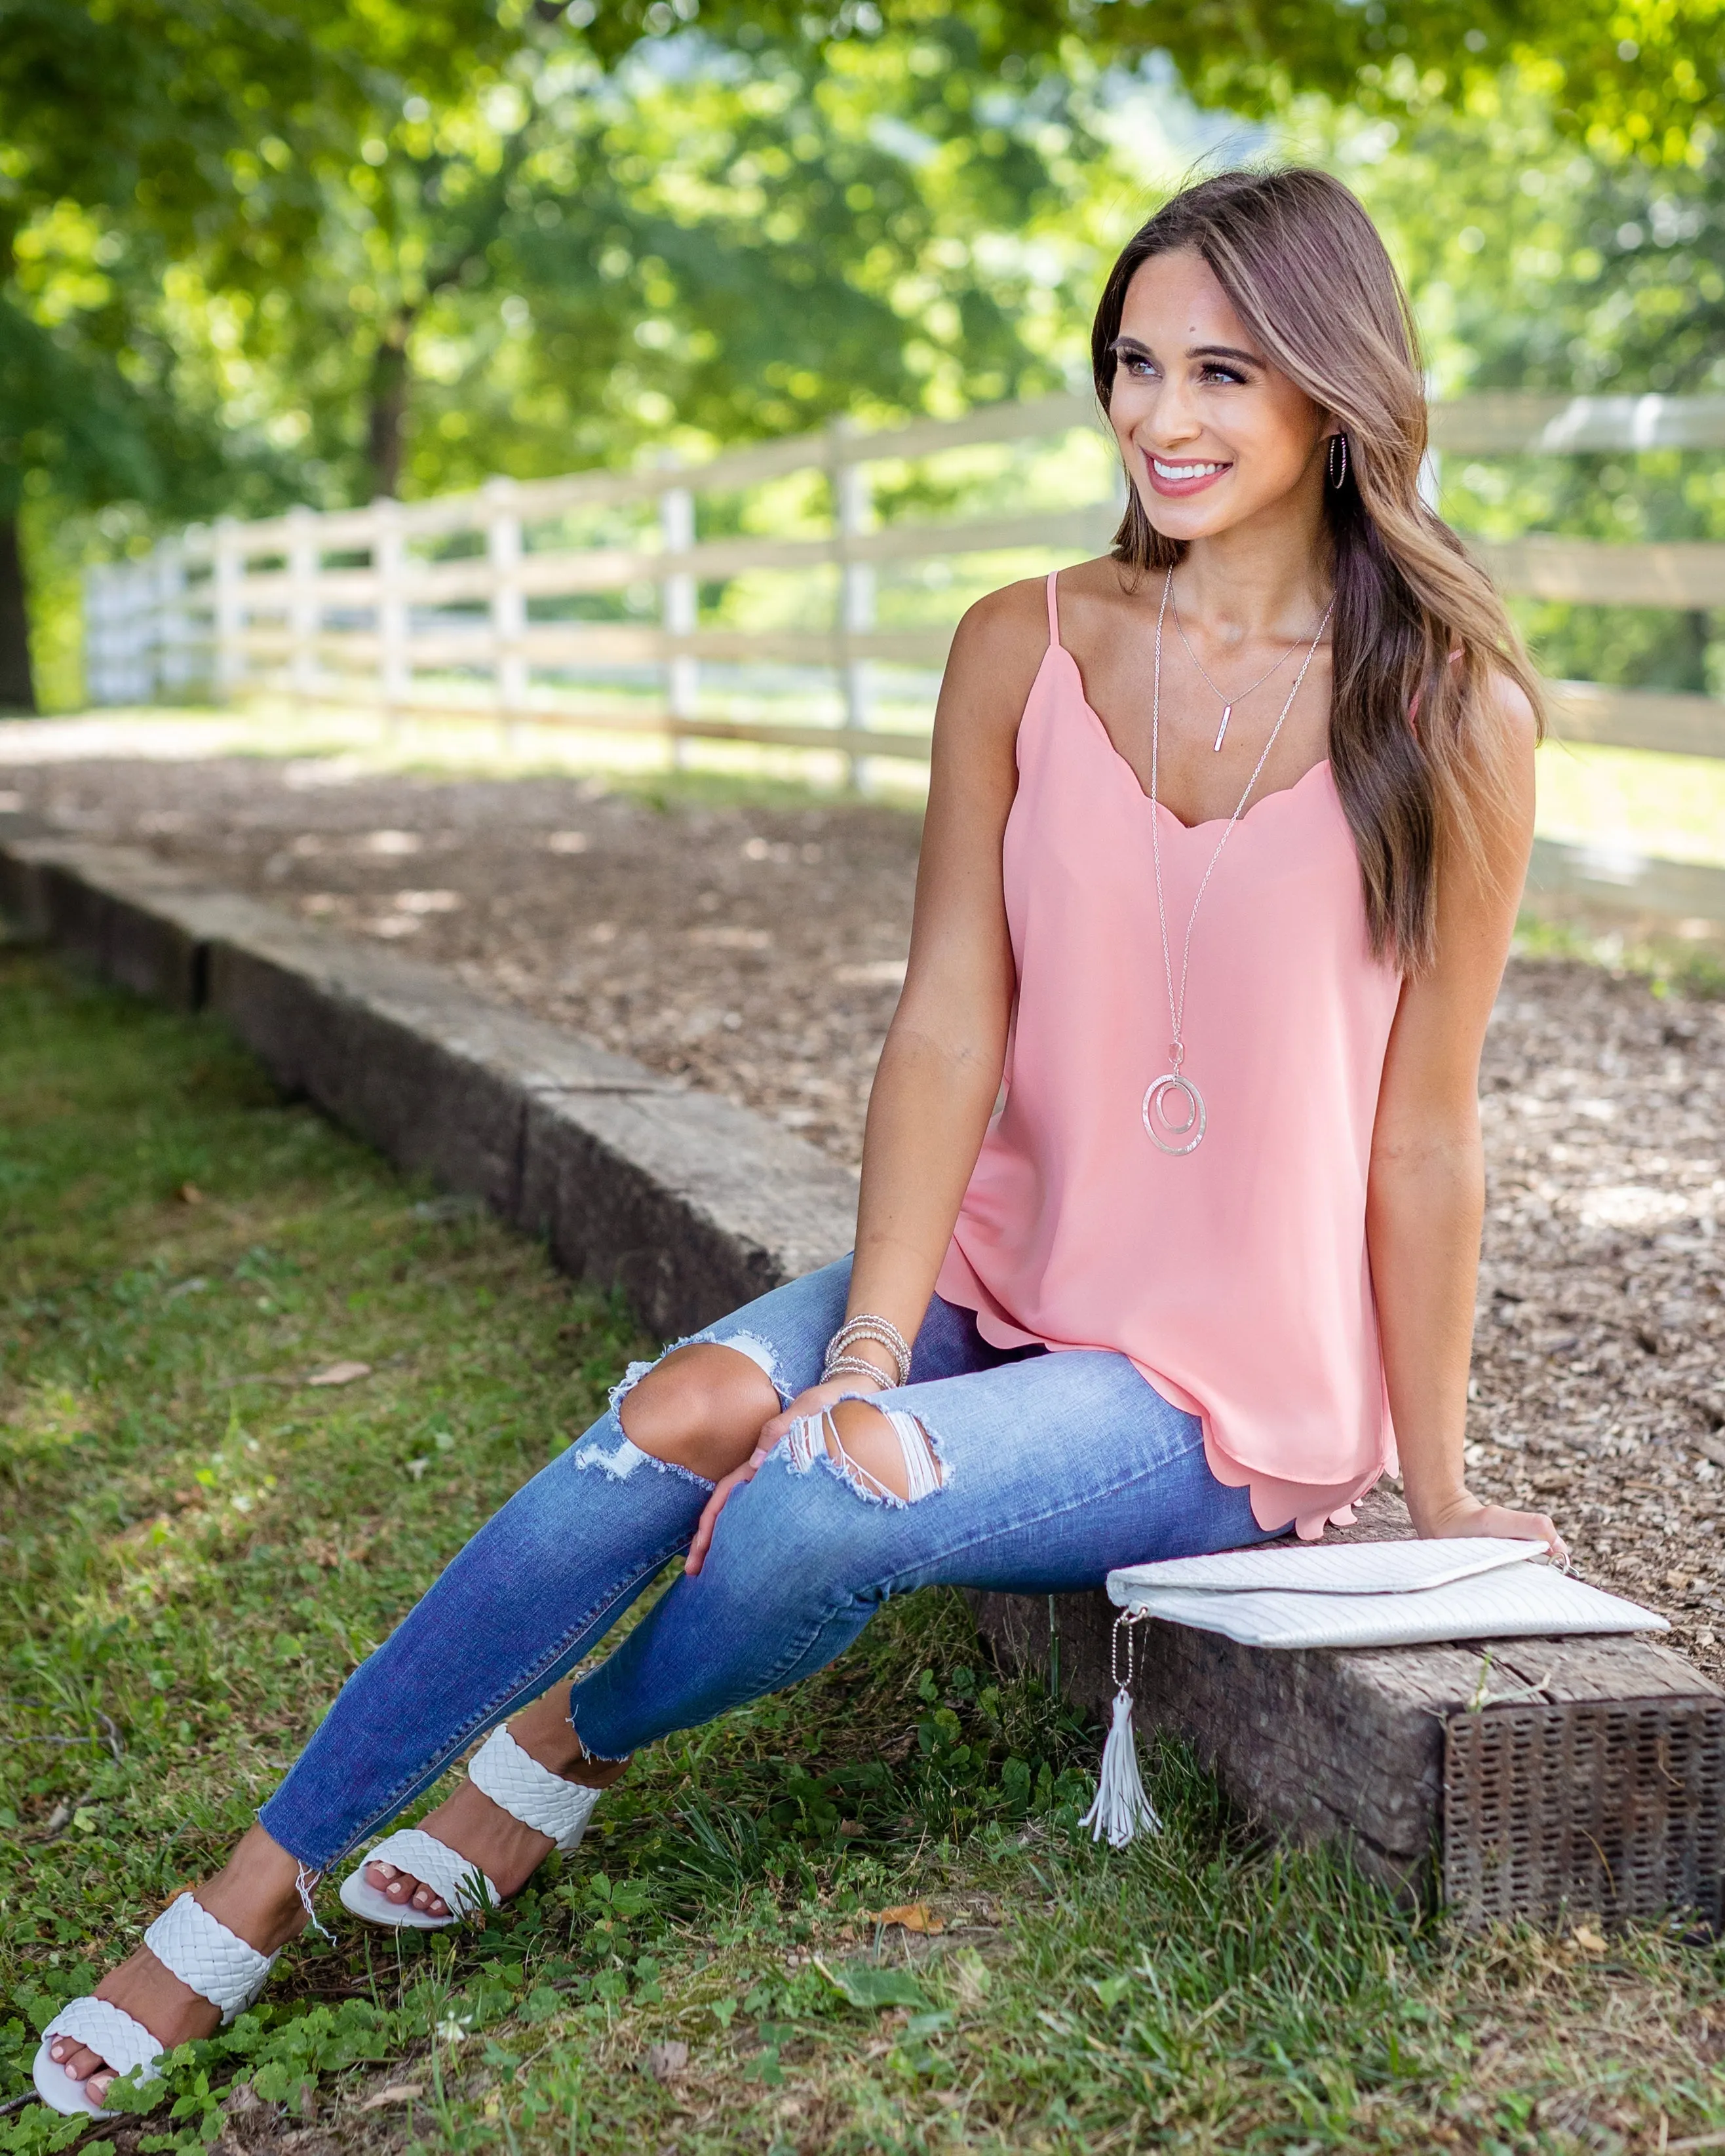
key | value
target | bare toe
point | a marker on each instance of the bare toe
(401, 1888)
(79, 2061)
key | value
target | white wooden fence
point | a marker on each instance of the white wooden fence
(440, 606)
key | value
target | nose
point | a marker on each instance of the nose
(1171, 420)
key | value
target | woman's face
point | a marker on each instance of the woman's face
(1211, 433)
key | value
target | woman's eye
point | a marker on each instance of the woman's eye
(1213, 374)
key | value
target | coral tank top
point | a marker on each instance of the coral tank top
(1235, 1277)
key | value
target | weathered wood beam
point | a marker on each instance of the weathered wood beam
(1521, 1777)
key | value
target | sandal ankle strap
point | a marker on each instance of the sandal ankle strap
(514, 1779)
(203, 1953)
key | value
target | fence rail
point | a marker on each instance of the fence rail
(347, 605)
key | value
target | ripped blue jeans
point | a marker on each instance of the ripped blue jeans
(1040, 1473)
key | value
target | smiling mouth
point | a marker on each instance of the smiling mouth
(1183, 475)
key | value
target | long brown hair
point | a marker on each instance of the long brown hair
(1418, 629)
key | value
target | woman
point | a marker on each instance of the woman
(1225, 835)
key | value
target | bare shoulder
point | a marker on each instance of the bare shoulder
(998, 647)
(1507, 732)
(1009, 626)
(1511, 723)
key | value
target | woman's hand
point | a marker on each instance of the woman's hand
(714, 1505)
(810, 1402)
(1465, 1515)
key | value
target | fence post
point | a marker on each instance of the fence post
(93, 591)
(228, 575)
(304, 617)
(395, 660)
(852, 503)
(170, 625)
(509, 610)
(139, 632)
(682, 672)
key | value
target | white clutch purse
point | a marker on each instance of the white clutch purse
(1374, 1594)
(1338, 1594)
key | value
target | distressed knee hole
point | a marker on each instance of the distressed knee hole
(619, 1461)
(884, 1454)
(750, 1346)
(700, 1407)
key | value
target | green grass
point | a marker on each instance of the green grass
(196, 1546)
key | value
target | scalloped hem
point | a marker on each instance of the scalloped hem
(1308, 1507)
(1278, 1502)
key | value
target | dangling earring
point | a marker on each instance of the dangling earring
(1339, 474)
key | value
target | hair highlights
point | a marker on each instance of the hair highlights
(1418, 631)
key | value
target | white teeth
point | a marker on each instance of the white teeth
(1184, 471)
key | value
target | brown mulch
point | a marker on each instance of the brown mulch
(758, 951)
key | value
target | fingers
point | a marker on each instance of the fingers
(702, 1539)
(1543, 1530)
(810, 1402)
(1530, 1527)
(805, 1403)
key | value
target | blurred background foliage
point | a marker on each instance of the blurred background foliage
(347, 246)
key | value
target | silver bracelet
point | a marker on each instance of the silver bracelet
(855, 1366)
(881, 1331)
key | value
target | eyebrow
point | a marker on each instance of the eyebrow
(1124, 345)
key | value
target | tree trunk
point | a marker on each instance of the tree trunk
(17, 685)
(388, 407)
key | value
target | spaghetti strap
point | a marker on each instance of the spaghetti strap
(1053, 612)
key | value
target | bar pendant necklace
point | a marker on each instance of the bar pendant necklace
(1227, 703)
(1173, 1112)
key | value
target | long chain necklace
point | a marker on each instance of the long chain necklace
(1162, 1129)
(1226, 702)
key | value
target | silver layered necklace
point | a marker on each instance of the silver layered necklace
(1177, 1133)
(1222, 697)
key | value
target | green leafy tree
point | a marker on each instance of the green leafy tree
(335, 250)
(1537, 262)
(569, 265)
(131, 135)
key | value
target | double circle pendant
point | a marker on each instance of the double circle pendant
(1165, 1130)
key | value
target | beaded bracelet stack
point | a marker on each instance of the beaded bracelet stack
(884, 1333)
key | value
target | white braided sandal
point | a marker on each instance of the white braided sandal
(511, 1779)
(191, 1944)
